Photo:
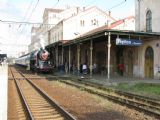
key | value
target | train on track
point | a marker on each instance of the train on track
(37, 61)
(3, 57)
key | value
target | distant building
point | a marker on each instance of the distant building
(85, 21)
(50, 19)
(34, 40)
(147, 15)
(124, 24)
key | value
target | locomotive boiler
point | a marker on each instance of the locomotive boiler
(37, 61)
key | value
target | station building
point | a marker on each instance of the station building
(140, 59)
(148, 20)
(137, 50)
(108, 47)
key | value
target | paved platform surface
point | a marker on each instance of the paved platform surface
(3, 91)
(120, 79)
(102, 79)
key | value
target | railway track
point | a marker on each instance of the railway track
(15, 112)
(37, 104)
(142, 104)
(147, 100)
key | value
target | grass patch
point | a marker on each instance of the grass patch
(140, 88)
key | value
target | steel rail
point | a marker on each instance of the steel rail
(51, 100)
(129, 103)
(24, 102)
(151, 101)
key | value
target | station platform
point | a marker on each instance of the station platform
(3, 91)
(102, 79)
(120, 79)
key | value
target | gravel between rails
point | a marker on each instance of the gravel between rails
(86, 106)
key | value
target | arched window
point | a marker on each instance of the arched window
(149, 53)
(149, 21)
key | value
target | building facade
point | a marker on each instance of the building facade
(147, 15)
(79, 23)
(124, 24)
(140, 61)
(41, 33)
(148, 20)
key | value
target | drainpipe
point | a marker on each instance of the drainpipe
(62, 54)
(69, 56)
(57, 56)
(78, 58)
(91, 61)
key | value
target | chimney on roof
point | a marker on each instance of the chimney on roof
(77, 10)
(109, 13)
(84, 8)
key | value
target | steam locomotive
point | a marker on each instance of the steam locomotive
(37, 61)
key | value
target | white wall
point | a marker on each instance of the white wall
(56, 32)
(127, 25)
(67, 13)
(73, 25)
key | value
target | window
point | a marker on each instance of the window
(54, 15)
(149, 52)
(94, 22)
(91, 22)
(149, 21)
(82, 22)
(57, 36)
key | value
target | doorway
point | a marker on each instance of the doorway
(130, 63)
(119, 58)
(149, 58)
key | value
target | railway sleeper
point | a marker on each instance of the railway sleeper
(46, 117)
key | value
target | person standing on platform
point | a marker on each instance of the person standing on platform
(121, 68)
(94, 68)
(84, 69)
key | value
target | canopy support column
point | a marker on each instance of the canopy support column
(91, 58)
(69, 56)
(78, 58)
(109, 47)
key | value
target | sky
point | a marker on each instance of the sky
(15, 37)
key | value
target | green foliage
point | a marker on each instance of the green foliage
(140, 88)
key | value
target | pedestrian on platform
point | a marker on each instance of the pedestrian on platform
(84, 69)
(121, 68)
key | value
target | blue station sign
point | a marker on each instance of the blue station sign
(129, 42)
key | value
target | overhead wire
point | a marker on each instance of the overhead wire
(26, 12)
(117, 5)
(56, 4)
(92, 2)
(21, 22)
(27, 19)
(33, 10)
